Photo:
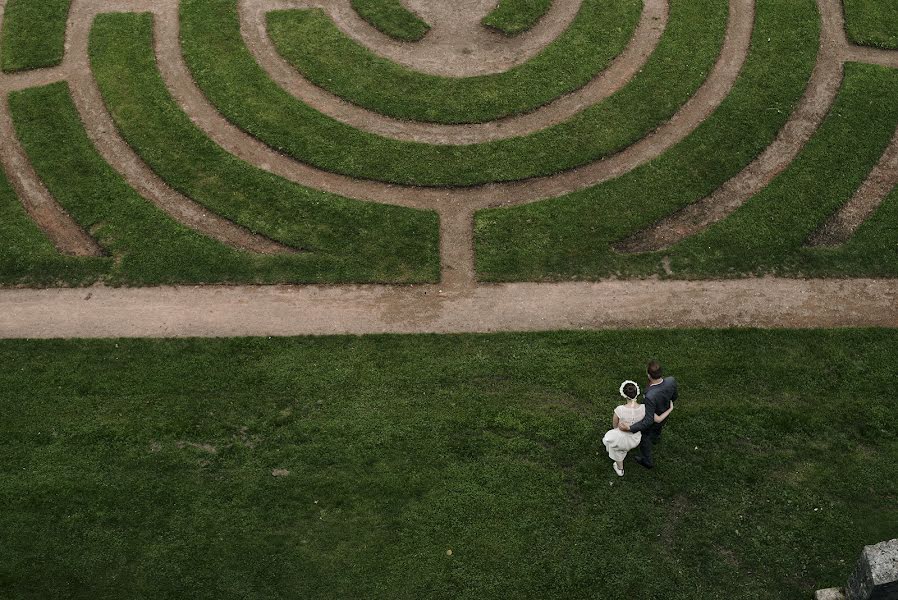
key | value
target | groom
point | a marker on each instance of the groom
(658, 397)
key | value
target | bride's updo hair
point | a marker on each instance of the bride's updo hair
(629, 390)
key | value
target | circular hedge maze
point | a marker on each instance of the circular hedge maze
(462, 143)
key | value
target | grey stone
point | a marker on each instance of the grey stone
(830, 594)
(876, 574)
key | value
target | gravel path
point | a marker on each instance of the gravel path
(212, 311)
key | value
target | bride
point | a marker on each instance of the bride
(620, 442)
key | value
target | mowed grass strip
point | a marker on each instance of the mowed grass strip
(513, 17)
(147, 246)
(352, 240)
(33, 34)
(570, 237)
(28, 258)
(767, 235)
(224, 68)
(392, 18)
(350, 467)
(310, 41)
(873, 250)
(872, 22)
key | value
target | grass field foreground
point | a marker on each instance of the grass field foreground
(350, 467)
(226, 71)
(392, 18)
(309, 40)
(872, 22)
(33, 34)
(513, 17)
(353, 240)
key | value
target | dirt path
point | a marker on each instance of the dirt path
(621, 70)
(275, 311)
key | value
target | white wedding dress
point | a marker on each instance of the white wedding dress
(620, 442)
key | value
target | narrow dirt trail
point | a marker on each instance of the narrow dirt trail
(212, 311)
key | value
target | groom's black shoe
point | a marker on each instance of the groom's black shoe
(640, 461)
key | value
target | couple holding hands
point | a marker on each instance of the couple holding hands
(636, 424)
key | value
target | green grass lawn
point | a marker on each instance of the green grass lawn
(310, 41)
(392, 18)
(228, 74)
(513, 17)
(33, 34)
(136, 468)
(344, 240)
(872, 22)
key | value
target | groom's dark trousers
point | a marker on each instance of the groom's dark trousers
(657, 401)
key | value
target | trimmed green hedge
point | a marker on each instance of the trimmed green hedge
(144, 468)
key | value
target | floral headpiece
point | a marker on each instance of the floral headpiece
(624, 384)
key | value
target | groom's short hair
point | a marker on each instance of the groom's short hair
(655, 370)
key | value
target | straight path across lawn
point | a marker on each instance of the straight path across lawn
(441, 466)
(215, 311)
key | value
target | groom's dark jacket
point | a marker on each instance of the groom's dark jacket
(657, 401)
